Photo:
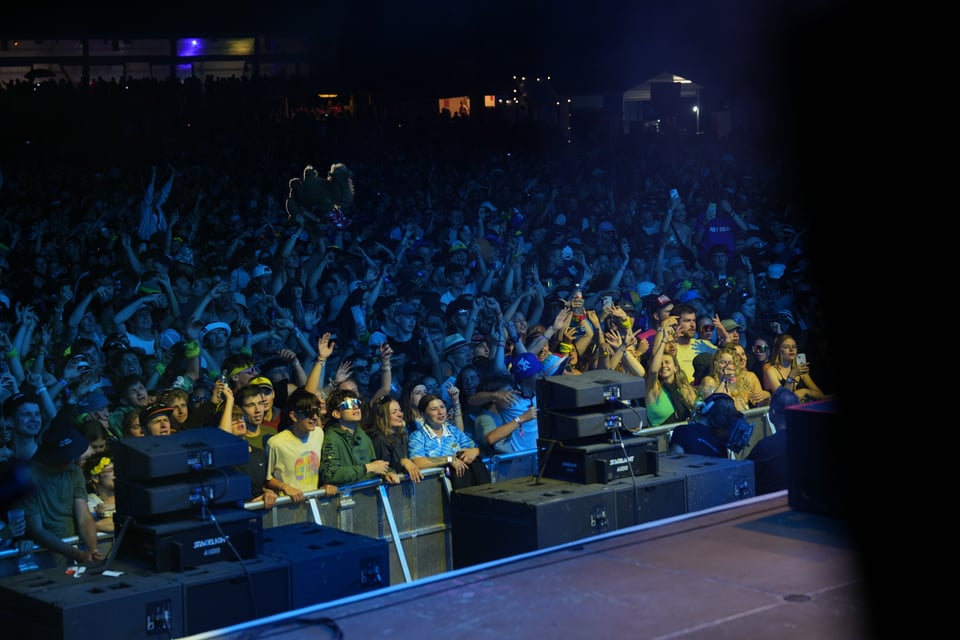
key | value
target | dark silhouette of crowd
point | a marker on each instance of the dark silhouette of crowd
(149, 256)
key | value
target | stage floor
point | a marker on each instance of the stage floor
(753, 569)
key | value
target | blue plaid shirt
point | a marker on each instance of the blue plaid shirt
(424, 442)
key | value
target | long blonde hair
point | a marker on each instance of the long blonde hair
(737, 387)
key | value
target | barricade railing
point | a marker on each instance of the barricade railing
(757, 417)
(414, 518)
(505, 466)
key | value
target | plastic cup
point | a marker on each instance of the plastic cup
(14, 516)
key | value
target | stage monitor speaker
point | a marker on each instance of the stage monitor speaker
(648, 498)
(598, 462)
(51, 604)
(222, 594)
(597, 388)
(815, 459)
(590, 422)
(152, 457)
(510, 517)
(182, 494)
(328, 563)
(179, 544)
(710, 481)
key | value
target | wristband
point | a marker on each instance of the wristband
(297, 333)
(191, 349)
(12, 354)
(247, 351)
(160, 368)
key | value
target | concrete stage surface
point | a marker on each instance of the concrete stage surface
(751, 569)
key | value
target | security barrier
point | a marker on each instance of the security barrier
(413, 517)
(757, 417)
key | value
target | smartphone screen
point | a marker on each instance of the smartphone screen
(801, 358)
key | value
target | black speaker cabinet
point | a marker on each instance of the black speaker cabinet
(577, 424)
(181, 543)
(593, 388)
(597, 462)
(710, 481)
(648, 498)
(51, 604)
(222, 594)
(506, 518)
(328, 563)
(151, 498)
(815, 459)
(161, 456)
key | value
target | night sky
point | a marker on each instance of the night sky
(729, 46)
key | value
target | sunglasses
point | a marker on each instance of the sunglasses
(311, 413)
(251, 370)
(760, 348)
(706, 327)
(349, 403)
(199, 399)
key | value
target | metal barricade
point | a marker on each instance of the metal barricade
(757, 417)
(505, 466)
(413, 518)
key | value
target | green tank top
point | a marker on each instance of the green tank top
(661, 410)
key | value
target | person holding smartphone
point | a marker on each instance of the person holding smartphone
(785, 370)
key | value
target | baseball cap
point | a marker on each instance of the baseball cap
(11, 404)
(730, 325)
(525, 366)
(93, 401)
(61, 445)
(261, 381)
(212, 326)
(645, 288)
(151, 411)
(655, 302)
(262, 270)
(169, 338)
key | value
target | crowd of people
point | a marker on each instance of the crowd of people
(181, 282)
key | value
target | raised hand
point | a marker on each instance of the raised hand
(325, 346)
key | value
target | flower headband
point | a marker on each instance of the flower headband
(103, 464)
